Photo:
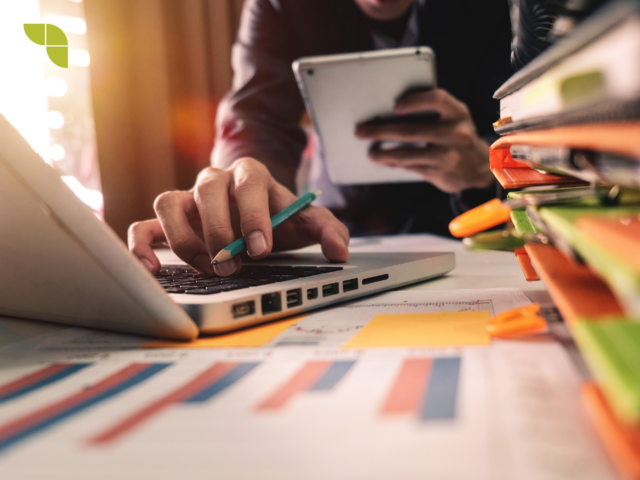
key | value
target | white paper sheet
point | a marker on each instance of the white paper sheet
(517, 416)
(511, 412)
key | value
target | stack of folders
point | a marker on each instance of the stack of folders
(570, 121)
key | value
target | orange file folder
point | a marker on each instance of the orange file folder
(621, 442)
(521, 178)
(622, 138)
(529, 272)
(513, 174)
(619, 236)
(575, 289)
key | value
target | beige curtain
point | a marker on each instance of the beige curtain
(158, 70)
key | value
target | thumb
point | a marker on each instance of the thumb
(334, 245)
(311, 225)
(328, 231)
(141, 238)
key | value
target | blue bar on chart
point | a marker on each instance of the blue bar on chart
(43, 418)
(317, 375)
(203, 387)
(332, 376)
(39, 379)
(440, 397)
(426, 388)
(236, 373)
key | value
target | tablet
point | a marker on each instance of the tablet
(343, 90)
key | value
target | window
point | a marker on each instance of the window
(50, 105)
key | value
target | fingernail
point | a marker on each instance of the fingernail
(227, 268)
(256, 243)
(147, 264)
(202, 263)
(343, 241)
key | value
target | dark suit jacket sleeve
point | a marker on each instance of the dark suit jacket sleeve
(260, 116)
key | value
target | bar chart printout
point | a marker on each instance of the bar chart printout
(213, 381)
(313, 376)
(41, 419)
(425, 387)
(39, 379)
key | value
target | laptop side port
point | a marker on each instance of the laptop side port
(294, 298)
(243, 309)
(271, 303)
(331, 289)
(379, 278)
(312, 293)
(349, 285)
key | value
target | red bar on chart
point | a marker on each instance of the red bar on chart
(27, 425)
(38, 379)
(303, 380)
(200, 382)
(30, 379)
(408, 390)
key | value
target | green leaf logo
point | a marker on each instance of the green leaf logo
(52, 38)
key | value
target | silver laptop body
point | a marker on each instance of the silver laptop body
(60, 263)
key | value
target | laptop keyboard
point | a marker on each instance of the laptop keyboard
(182, 279)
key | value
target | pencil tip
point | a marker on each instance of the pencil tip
(214, 262)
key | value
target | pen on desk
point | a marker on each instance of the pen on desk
(230, 251)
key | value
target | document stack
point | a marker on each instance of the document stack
(570, 123)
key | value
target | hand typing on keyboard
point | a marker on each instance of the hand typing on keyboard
(181, 279)
(226, 204)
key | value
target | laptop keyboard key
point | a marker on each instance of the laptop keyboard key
(179, 279)
(174, 290)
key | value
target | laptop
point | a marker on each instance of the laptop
(60, 263)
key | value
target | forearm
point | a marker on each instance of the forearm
(279, 147)
(260, 117)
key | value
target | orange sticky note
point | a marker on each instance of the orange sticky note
(251, 337)
(423, 330)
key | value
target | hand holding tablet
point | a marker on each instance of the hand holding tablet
(444, 151)
(342, 91)
(381, 119)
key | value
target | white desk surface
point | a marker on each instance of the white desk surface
(518, 414)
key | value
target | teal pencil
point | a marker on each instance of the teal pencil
(230, 251)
